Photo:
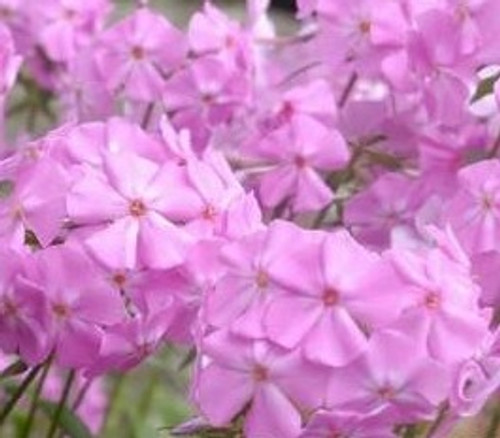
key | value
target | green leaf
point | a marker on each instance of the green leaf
(69, 422)
(6, 188)
(13, 369)
(485, 87)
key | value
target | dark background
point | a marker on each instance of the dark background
(287, 5)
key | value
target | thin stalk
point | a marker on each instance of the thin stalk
(495, 148)
(56, 418)
(26, 430)
(146, 118)
(21, 389)
(113, 398)
(494, 424)
(78, 400)
(348, 89)
(437, 422)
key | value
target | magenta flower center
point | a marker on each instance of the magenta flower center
(119, 279)
(300, 161)
(330, 297)
(137, 208)
(432, 301)
(365, 27)
(262, 279)
(487, 202)
(61, 310)
(386, 392)
(260, 373)
(138, 53)
(209, 213)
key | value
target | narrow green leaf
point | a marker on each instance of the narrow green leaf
(69, 422)
(485, 87)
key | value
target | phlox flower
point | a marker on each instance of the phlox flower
(473, 211)
(138, 202)
(384, 382)
(262, 378)
(240, 296)
(296, 155)
(23, 325)
(34, 202)
(137, 53)
(76, 311)
(332, 304)
(440, 303)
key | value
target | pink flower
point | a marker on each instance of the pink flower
(138, 202)
(375, 213)
(260, 374)
(240, 296)
(77, 311)
(34, 202)
(203, 96)
(384, 382)
(23, 325)
(128, 343)
(136, 54)
(440, 303)
(212, 32)
(473, 211)
(305, 149)
(331, 305)
(69, 25)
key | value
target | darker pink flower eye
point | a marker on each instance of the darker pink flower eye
(432, 301)
(61, 310)
(137, 208)
(300, 161)
(138, 53)
(260, 373)
(262, 279)
(330, 297)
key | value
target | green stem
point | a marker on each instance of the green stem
(437, 422)
(25, 432)
(494, 424)
(146, 118)
(410, 432)
(62, 403)
(348, 89)
(21, 389)
(78, 400)
(113, 398)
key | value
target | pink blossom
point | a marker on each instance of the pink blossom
(23, 325)
(305, 149)
(138, 52)
(324, 296)
(384, 382)
(77, 312)
(138, 214)
(472, 212)
(261, 374)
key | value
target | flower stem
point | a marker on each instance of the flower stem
(494, 424)
(62, 402)
(113, 399)
(25, 432)
(21, 389)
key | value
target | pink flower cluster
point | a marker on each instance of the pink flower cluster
(317, 215)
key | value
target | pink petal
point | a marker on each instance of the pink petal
(304, 312)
